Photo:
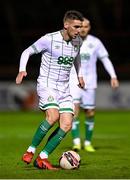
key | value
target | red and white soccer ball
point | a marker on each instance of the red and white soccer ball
(69, 160)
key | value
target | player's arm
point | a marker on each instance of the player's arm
(37, 47)
(77, 64)
(20, 76)
(23, 63)
(111, 71)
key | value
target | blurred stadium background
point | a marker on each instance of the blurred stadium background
(23, 22)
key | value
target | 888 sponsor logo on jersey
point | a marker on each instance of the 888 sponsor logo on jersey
(67, 60)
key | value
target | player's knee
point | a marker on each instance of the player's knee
(75, 116)
(52, 115)
(66, 126)
(90, 113)
(76, 111)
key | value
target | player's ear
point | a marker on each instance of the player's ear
(66, 24)
(89, 27)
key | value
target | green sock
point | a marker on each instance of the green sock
(40, 133)
(54, 140)
(89, 126)
(75, 129)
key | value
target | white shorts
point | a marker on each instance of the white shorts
(52, 98)
(86, 97)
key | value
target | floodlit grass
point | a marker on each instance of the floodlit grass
(111, 140)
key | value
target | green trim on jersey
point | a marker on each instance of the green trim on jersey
(34, 48)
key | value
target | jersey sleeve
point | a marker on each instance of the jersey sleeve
(101, 51)
(109, 67)
(39, 46)
(103, 56)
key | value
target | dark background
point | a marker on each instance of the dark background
(23, 22)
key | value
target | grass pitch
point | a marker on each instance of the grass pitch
(111, 139)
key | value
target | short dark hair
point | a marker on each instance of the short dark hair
(73, 15)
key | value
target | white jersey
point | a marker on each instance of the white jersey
(91, 50)
(57, 59)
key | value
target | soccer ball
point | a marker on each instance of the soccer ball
(69, 160)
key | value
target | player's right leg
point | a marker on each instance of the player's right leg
(48, 104)
(38, 136)
(44, 164)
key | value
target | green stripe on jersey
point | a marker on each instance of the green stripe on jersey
(34, 48)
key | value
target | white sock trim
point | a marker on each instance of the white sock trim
(43, 155)
(76, 141)
(31, 149)
(86, 143)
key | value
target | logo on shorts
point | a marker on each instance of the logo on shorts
(50, 98)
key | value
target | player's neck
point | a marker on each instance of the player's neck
(65, 36)
(83, 37)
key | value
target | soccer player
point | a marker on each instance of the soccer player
(91, 50)
(60, 50)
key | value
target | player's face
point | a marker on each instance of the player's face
(85, 28)
(73, 28)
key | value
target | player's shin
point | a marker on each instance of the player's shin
(40, 133)
(54, 140)
(76, 134)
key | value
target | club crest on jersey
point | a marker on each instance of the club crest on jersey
(76, 48)
(85, 56)
(50, 98)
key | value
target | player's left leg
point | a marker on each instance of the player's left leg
(89, 128)
(76, 128)
(53, 141)
(76, 93)
(89, 108)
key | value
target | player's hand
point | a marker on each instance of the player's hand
(114, 83)
(81, 82)
(20, 76)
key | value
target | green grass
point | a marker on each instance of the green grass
(111, 140)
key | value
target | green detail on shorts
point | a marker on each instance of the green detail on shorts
(66, 109)
(91, 105)
(75, 99)
(50, 104)
(65, 60)
(50, 98)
